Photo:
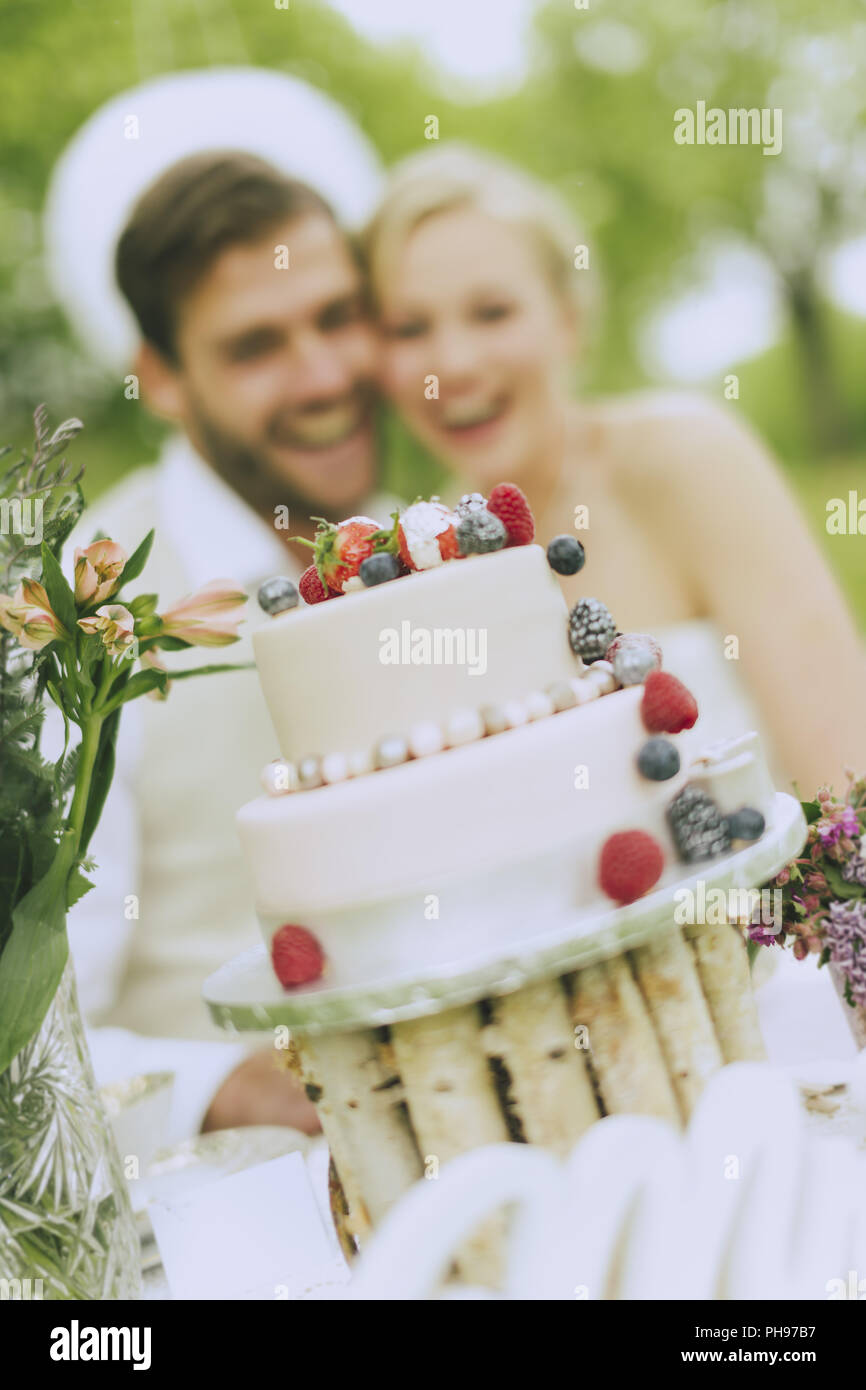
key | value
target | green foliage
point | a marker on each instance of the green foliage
(31, 789)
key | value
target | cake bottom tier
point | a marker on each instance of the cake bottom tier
(638, 1033)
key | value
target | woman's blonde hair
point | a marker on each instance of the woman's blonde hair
(452, 176)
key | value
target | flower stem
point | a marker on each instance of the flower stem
(90, 731)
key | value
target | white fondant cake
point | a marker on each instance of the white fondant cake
(435, 860)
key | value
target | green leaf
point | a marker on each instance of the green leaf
(811, 810)
(170, 644)
(34, 955)
(212, 670)
(136, 562)
(103, 771)
(76, 887)
(59, 593)
(139, 684)
(841, 889)
(143, 606)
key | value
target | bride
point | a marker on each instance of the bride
(690, 531)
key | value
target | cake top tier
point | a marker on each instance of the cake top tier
(340, 677)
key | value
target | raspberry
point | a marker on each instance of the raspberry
(667, 706)
(311, 587)
(297, 957)
(631, 863)
(508, 503)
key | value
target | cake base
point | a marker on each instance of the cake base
(642, 1033)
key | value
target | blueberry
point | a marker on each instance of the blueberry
(479, 532)
(745, 824)
(277, 595)
(658, 760)
(566, 555)
(378, 569)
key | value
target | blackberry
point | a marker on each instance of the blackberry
(379, 568)
(566, 555)
(479, 532)
(470, 502)
(658, 760)
(745, 824)
(698, 827)
(591, 629)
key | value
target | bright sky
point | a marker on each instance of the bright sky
(480, 40)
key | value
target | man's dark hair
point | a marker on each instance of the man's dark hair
(182, 222)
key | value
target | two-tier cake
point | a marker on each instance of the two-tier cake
(474, 857)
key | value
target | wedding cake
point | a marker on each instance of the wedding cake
(469, 856)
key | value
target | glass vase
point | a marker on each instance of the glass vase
(856, 1015)
(66, 1225)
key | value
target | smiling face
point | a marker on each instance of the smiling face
(274, 371)
(468, 301)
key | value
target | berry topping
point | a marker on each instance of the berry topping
(311, 587)
(631, 863)
(479, 531)
(470, 502)
(746, 824)
(632, 665)
(658, 760)
(297, 957)
(425, 535)
(378, 569)
(566, 555)
(277, 595)
(591, 629)
(697, 825)
(634, 641)
(508, 503)
(667, 706)
(339, 550)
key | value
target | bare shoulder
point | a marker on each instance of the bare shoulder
(653, 435)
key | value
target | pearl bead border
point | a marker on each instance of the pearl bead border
(427, 738)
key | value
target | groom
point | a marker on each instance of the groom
(255, 344)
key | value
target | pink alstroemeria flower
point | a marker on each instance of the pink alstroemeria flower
(115, 624)
(97, 569)
(192, 618)
(28, 615)
(152, 659)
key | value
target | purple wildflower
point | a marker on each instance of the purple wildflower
(854, 870)
(850, 823)
(763, 935)
(845, 934)
(829, 831)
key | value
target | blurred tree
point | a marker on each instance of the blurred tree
(595, 117)
(599, 118)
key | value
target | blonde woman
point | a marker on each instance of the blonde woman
(690, 531)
